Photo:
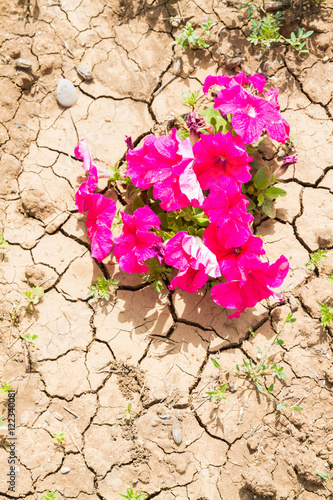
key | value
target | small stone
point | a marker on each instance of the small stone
(23, 64)
(177, 435)
(325, 59)
(66, 93)
(84, 72)
(65, 470)
(233, 62)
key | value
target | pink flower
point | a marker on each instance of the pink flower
(273, 97)
(229, 259)
(81, 152)
(220, 155)
(136, 163)
(255, 284)
(86, 189)
(101, 212)
(225, 206)
(136, 243)
(251, 115)
(258, 81)
(193, 259)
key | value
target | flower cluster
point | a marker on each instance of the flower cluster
(194, 214)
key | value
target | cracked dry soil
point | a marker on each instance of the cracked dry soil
(153, 351)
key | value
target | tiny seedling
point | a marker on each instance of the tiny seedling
(191, 38)
(326, 314)
(190, 99)
(132, 495)
(30, 340)
(102, 288)
(316, 259)
(5, 389)
(256, 373)
(128, 411)
(217, 395)
(325, 476)
(330, 278)
(3, 242)
(50, 495)
(2, 419)
(33, 296)
(59, 437)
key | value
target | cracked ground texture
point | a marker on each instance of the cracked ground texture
(152, 350)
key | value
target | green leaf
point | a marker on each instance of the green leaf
(274, 192)
(213, 117)
(262, 179)
(279, 407)
(268, 208)
(216, 363)
(297, 408)
(270, 388)
(259, 387)
(138, 203)
(308, 33)
(261, 199)
(293, 37)
(279, 342)
(324, 476)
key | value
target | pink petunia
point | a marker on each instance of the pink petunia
(81, 152)
(258, 81)
(193, 259)
(86, 189)
(255, 284)
(225, 206)
(136, 244)
(251, 115)
(220, 155)
(101, 212)
(136, 165)
(229, 259)
(272, 97)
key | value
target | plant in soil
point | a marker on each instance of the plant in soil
(128, 412)
(3, 243)
(33, 297)
(59, 437)
(50, 495)
(265, 29)
(316, 260)
(190, 226)
(102, 288)
(257, 372)
(132, 495)
(326, 314)
(190, 38)
(30, 340)
(5, 388)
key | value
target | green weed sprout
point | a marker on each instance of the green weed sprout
(59, 437)
(326, 314)
(316, 259)
(325, 476)
(217, 394)
(30, 340)
(33, 296)
(256, 373)
(102, 288)
(131, 495)
(128, 411)
(3, 242)
(266, 31)
(5, 389)
(191, 38)
(330, 278)
(2, 419)
(50, 495)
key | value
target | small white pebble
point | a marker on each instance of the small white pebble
(326, 464)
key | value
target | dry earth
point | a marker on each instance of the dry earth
(94, 358)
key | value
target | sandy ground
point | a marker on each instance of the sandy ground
(152, 350)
